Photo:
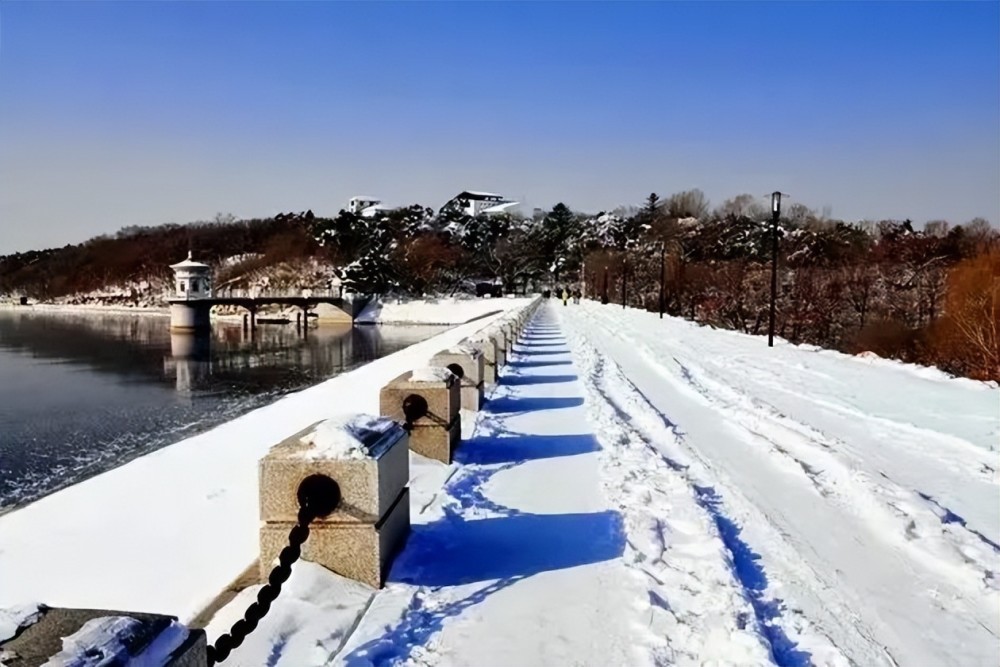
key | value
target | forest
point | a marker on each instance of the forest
(927, 296)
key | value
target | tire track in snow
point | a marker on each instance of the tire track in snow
(877, 606)
(667, 489)
(918, 528)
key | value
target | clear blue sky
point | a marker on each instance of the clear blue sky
(114, 114)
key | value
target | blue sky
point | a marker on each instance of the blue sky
(114, 114)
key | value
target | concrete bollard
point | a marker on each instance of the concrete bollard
(428, 400)
(488, 346)
(369, 460)
(467, 362)
(499, 336)
(510, 335)
(91, 637)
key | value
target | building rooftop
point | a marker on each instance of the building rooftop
(189, 264)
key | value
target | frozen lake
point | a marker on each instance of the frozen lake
(81, 393)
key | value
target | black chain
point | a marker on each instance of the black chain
(318, 495)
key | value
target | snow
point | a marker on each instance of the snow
(343, 437)
(16, 617)
(858, 501)
(306, 624)
(431, 374)
(189, 512)
(106, 640)
(635, 491)
(451, 310)
(466, 347)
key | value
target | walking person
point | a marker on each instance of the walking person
(565, 296)
(576, 296)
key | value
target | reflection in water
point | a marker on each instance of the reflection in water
(80, 394)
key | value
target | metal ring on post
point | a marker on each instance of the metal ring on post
(414, 407)
(319, 495)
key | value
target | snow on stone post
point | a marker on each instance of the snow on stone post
(428, 399)
(466, 361)
(55, 636)
(368, 458)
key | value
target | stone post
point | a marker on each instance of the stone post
(466, 362)
(428, 400)
(91, 636)
(368, 458)
(510, 335)
(488, 346)
(499, 336)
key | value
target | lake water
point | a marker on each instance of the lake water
(81, 393)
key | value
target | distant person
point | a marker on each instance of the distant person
(576, 296)
(565, 296)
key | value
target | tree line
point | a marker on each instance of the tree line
(927, 296)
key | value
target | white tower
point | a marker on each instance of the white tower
(192, 280)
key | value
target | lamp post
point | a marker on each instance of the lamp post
(775, 214)
(604, 297)
(663, 250)
(625, 278)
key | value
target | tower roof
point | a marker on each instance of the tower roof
(189, 264)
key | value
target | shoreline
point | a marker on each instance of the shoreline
(86, 308)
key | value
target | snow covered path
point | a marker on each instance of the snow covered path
(517, 561)
(858, 500)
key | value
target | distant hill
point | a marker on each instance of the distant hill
(143, 254)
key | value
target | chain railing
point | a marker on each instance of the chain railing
(318, 496)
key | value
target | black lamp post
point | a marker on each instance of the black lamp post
(775, 214)
(604, 298)
(624, 278)
(663, 250)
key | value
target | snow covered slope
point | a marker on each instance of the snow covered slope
(858, 501)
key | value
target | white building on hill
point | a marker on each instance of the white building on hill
(365, 206)
(474, 203)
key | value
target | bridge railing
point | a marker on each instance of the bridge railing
(335, 292)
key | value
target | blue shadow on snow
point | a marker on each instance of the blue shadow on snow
(504, 404)
(521, 448)
(500, 551)
(524, 380)
(455, 551)
(947, 516)
(534, 353)
(752, 577)
(538, 364)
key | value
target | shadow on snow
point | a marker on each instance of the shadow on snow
(522, 380)
(521, 448)
(505, 404)
(535, 353)
(750, 573)
(537, 364)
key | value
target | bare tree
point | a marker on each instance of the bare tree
(745, 205)
(687, 204)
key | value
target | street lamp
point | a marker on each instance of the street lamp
(624, 277)
(663, 250)
(775, 214)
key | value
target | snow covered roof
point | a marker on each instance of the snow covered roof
(189, 264)
(473, 194)
(364, 198)
(369, 211)
(500, 208)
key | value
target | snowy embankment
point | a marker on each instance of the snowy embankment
(168, 531)
(445, 310)
(560, 537)
(857, 500)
